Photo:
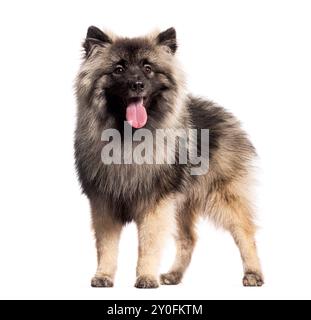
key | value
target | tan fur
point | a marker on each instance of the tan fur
(185, 241)
(107, 233)
(152, 195)
(229, 208)
(153, 229)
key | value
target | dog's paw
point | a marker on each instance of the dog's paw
(252, 279)
(171, 278)
(102, 282)
(146, 282)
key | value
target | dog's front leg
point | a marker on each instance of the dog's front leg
(153, 229)
(107, 233)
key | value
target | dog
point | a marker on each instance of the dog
(137, 83)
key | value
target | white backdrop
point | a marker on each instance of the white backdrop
(253, 57)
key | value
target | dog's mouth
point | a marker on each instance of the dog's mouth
(136, 114)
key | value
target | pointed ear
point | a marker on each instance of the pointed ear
(168, 38)
(95, 37)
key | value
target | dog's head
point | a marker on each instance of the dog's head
(133, 79)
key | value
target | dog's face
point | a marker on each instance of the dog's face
(129, 77)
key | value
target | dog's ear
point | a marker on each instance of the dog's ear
(168, 38)
(95, 37)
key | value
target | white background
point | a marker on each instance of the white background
(253, 57)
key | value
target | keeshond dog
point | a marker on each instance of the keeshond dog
(137, 81)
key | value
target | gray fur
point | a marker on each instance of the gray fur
(127, 192)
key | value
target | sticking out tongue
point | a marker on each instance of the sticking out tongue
(136, 114)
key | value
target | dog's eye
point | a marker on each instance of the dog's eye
(147, 68)
(119, 70)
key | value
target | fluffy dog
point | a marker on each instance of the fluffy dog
(138, 81)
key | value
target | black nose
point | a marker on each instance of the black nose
(137, 86)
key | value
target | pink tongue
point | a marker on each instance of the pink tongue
(136, 114)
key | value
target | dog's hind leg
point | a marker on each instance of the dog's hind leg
(231, 209)
(185, 243)
(244, 237)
